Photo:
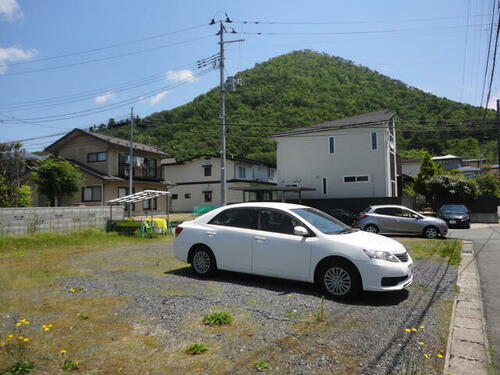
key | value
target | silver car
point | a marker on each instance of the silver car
(399, 219)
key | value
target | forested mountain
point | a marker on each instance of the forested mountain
(305, 88)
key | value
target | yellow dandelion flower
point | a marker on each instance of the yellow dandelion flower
(62, 351)
(77, 363)
(421, 327)
(426, 355)
(46, 329)
(26, 340)
(10, 337)
(26, 322)
(120, 368)
(2, 344)
(50, 326)
(414, 329)
(44, 326)
(439, 356)
(407, 330)
(19, 324)
(421, 343)
(21, 338)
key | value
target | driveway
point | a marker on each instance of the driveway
(486, 238)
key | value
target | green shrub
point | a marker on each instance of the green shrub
(69, 365)
(19, 368)
(195, 349)
(218, 319)
(260, 365)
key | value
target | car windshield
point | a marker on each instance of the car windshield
(454, 209)
(323, 222)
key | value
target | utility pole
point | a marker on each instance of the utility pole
(131, 164)
(497, 127)
(222, 109)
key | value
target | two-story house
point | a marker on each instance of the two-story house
(198, 179)
(352, 157)
(104, 163)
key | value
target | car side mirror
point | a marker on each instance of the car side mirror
(300, 231)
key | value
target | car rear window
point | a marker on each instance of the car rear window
(236, 217)
(391, 211)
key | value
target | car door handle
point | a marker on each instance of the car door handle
(211, 234)
(260, 239)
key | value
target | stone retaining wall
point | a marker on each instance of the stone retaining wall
(60, 219)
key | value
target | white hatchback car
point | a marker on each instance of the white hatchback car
(293, 242)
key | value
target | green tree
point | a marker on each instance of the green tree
(57, 179)
(488, 185)
(12, 193)
(428, 169)
(453, 188)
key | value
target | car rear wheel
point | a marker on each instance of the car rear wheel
(370, 228)
(203, 262)
(431, 232)
(340, 279)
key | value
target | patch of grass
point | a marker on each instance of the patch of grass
(291, 314)
(443, 250)
(252, 302)
(39, 242)
(82, 316)
(19, 368)
(218, 319)
(195, 349)
(69, 365)
(260, 365)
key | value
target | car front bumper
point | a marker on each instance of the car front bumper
(380, 275)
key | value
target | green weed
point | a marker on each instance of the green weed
(320, 314)
(195, 349)
(260, 365)
(19, 368)
(217, 319)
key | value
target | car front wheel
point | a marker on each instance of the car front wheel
(340, 279)
(431, 232)
(203, 262)
(370, 228)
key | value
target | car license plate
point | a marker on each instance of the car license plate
(453, 221)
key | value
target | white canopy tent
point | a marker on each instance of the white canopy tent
(140, 197)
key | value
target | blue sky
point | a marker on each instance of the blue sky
(431, 45)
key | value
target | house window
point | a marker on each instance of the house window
(348, 179)
(175, 196)
(150, 165)
(331, 145)
(150, 204)
(187, 195)
(91, 194)
(324, 185)
(270, 173)
(207, 170)
(208, 196)
(93, 157)
(374, 141)
(242, 172)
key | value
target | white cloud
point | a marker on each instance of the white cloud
(180, 75)
(104, 97)
(10, 10)
(12, 54)
(158, 97)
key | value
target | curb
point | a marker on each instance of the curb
(466, 350)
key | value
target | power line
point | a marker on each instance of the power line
(85, 95)
(493, 65)
(87, 112)
(489, 51)
(465, 50)
(106, 58)
(76, 53)
(358, 32)
(354, 22)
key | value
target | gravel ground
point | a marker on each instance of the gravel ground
(274, 318)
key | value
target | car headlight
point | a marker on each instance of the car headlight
(381, 255)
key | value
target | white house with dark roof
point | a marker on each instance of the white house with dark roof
(353, 157)
(198, 180)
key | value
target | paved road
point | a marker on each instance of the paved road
(486, 238)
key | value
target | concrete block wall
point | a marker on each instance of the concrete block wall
(60, 219)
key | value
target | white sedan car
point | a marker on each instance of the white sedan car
(293, 242)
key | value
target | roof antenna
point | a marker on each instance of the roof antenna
(212, 22)
(227, 18)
